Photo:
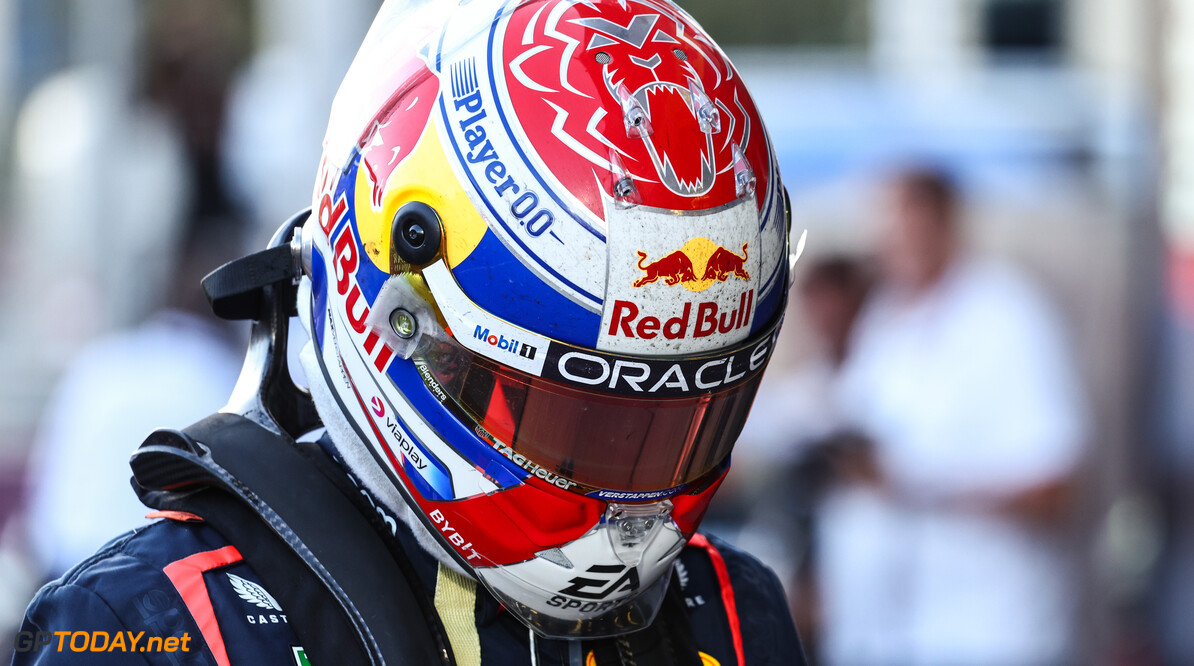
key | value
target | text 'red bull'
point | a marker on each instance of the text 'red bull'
(625, 320)
(347, 262)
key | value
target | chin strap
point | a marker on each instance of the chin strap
(262, 288)
(455, 600)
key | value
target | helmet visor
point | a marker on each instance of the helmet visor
(602, 424)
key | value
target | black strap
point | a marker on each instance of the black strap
(236, 289)
(422, 596)
(668, 641)
(347, 596)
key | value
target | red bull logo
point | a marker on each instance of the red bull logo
(696, 265)
(709, 318)
(723, 263)
(388, 142)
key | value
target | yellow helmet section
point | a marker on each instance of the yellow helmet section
(424, 176)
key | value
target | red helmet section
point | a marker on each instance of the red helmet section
(568, 64)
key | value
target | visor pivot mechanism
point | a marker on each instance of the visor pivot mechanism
(415, 236)
(632, 528)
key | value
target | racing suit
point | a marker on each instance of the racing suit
(178, 583)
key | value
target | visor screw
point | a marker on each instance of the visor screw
(744, 176)
(403, 324)
(624, 191)
(415, 234)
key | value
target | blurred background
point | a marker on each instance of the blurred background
(977, 441)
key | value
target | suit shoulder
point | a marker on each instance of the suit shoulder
(759, 602)
(140, 552)
(124, 587)
(747, 574)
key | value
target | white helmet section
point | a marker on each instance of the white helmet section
(589, 581)
(369, 81)
(681, 284)
(554, 235)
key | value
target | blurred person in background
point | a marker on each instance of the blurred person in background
(943, 546)
(794, 436)
(803, 408)
(169, 371)
(175, 365)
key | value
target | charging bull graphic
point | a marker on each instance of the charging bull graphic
(674, 268)
(652, 68)
(724, 263)
(387, 143)
(717, 264)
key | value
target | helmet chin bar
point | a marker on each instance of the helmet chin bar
(262, 288)
(624, 619)
(609, 582)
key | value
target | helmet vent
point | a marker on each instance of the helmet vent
(602, 58)
(556, 557)
(680, 54)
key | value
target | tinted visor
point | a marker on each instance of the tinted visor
(589, 430)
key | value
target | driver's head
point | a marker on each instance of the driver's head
(922, 233)
(546, 264)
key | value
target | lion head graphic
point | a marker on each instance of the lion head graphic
(667, 109)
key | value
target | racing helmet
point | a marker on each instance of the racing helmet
(545, 268)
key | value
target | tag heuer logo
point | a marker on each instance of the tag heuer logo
(253, 593)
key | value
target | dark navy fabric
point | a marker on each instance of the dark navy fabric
(123, 587)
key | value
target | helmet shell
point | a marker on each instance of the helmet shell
(602, 180)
